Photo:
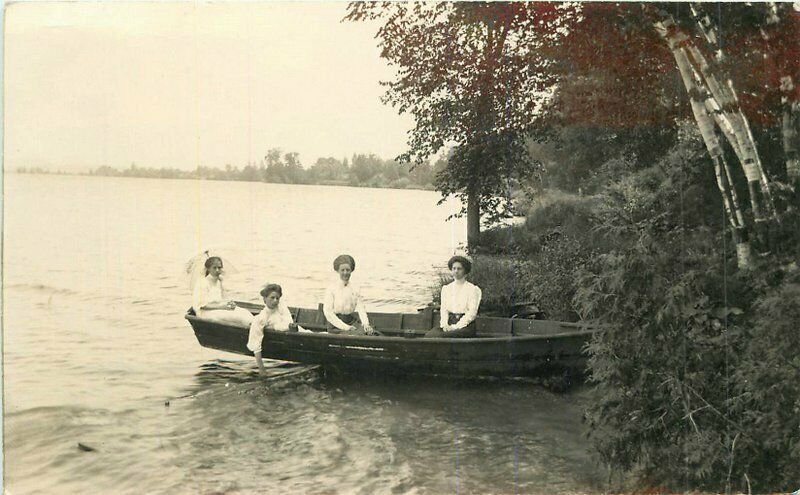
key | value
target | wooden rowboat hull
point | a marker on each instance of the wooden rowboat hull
(528, 348)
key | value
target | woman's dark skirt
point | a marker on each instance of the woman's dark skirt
(351, 319)
(468, 331)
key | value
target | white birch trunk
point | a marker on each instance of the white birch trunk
(737, 129)
(788, 126)
(758, 184)
(705, 123)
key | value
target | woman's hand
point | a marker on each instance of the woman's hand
(230, 305)
(368, 329)
(351, 328)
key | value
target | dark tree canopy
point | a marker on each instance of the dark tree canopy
(472, 76)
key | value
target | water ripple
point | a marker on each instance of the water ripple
(97, 352)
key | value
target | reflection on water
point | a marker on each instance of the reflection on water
(96, 352)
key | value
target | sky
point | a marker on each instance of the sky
(187, 84)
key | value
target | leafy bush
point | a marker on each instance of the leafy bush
(556, 239)
(510, 240)
(697, 375)
(550, 276)
(767, 390)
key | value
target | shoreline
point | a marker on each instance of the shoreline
(324, 183)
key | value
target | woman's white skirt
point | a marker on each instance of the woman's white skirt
(239, 317)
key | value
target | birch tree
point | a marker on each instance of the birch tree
(717, 108)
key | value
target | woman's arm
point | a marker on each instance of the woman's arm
(362, 311)
(220, 305)
(201, 296)
(444, 312)
(284, 320)
(256, 336)
(260, 364)
(287, 317)
(472, 309)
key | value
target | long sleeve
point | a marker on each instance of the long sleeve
(473, 301)
(286, 315)
(280, 320)
(361, 310)
(257, 331)
(443, 307)
(206, 293)
(330, 314)
(200, 295)
(197, 297)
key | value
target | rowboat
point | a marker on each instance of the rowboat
(503, 347)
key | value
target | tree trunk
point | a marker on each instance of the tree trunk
(788, 126)
(724, 105)
(473, 220)
(731, 119)
(705, 123)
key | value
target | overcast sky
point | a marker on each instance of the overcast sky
(182, 84)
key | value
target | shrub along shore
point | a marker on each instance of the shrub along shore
(698, 374)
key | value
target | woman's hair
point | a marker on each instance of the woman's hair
(271, 288)
(210, 260)
(467, 264)
(344, 258)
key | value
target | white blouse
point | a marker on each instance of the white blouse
(206, 291)
(271, 319)
(343, 299)
(460, 297)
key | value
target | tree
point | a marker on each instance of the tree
(364, 167)
(327, 169)
(634, 73)
(293, 169)
(471, 76)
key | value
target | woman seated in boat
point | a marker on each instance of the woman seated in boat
(208, 298)
(274, 316)
(460, 301)
(343, 308)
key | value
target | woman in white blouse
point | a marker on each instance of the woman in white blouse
(460, 301)
(208, 298)
(343, 307)
(274, 316)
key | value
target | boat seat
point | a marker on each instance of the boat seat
(488, 326)
(307, 317)
(543, 327)
(422, 320)
(386, 321)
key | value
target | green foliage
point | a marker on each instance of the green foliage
(551, 277)
(697, 375)
(472, 75)
(366, 171)
(555, 241)
(485, 167)
(767, 388)
(500, 281)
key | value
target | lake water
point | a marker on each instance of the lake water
(96, 351)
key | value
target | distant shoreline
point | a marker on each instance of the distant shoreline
(188, 176)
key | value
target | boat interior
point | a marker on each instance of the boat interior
(417, 324)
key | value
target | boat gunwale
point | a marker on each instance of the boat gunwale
(323, 335)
